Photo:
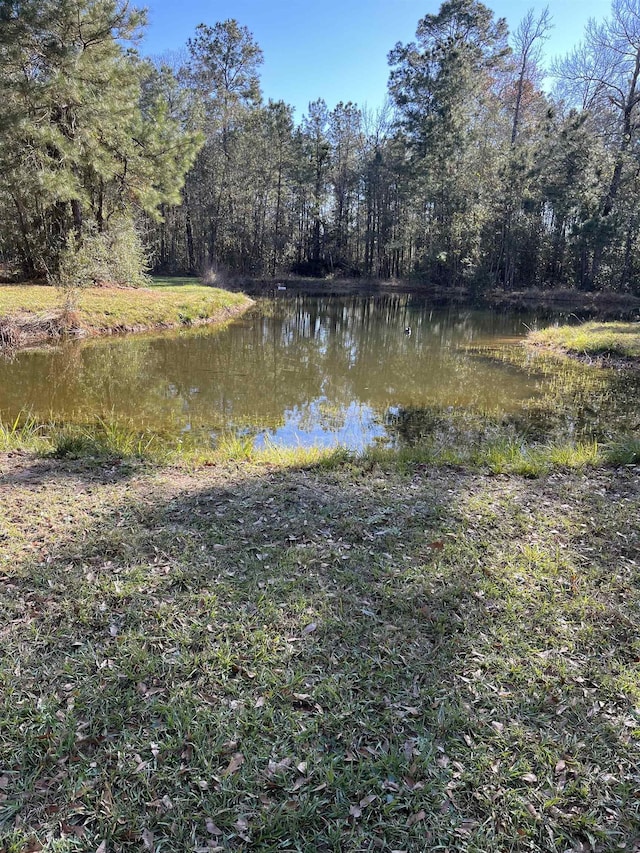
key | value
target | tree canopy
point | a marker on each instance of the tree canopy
(472, 174)
(81, 153)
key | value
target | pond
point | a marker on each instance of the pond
(299, 370)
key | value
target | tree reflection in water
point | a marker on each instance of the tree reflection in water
(307, 370)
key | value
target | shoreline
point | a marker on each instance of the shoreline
(24, 328)
(612, 345)
(598, 304)
(605, 361)
(35, 324)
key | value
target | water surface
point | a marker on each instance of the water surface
(314, 370)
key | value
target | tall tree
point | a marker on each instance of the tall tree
(512, 237)
(224, 69)
(442, 85)
(315, 127)
(78, 152)
(603, 76)
(528, 42)
(345, 138)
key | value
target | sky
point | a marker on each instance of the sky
(337, 49)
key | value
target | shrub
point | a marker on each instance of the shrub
(115, 256)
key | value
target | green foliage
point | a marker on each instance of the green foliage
(624, 451)
(480, 179)
(79, 153)
(113, 257)
(224, 66)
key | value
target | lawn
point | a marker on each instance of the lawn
(322, 657)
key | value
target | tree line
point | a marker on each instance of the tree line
(472, 174)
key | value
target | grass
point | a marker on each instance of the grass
(504, 452)
(173, 302)
(592, 339)
(353, 656)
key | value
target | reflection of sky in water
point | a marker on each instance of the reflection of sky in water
(315, 425)
(307, 371)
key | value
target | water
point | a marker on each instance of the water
(317, 371)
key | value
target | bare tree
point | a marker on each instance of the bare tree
(602, 75)
(528, 39)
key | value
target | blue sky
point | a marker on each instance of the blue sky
(337, 49)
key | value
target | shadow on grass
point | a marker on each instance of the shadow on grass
(29, 470)
(325, 660)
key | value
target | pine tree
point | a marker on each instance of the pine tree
(80, 157)
(443, 87)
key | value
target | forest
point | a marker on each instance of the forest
(485, 169)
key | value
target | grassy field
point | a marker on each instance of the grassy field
(594, 339)
(34, 309)
(342, 655)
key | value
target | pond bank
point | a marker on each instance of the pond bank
(593, 304)
(32, 314)
(615, 345)
(354, 657)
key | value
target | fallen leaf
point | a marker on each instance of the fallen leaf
(497, 726)
(355, 812)
(560, 766)
(279, 766)
(242, 827)
(147, 840)
(237, 760)
(416, 818)
(310, 628)
(529, 777)
(103, 847)
(366, 801)
(212, 829)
